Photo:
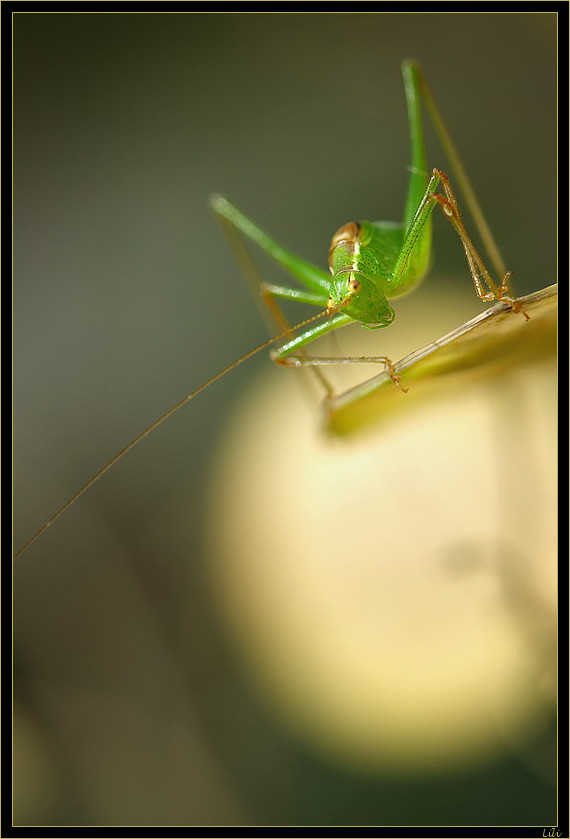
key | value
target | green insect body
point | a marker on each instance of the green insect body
(361, 261)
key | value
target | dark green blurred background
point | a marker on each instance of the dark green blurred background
(130, 707)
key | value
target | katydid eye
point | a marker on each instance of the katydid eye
(347, 233)
(353, 285)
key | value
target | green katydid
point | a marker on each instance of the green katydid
(370, 263)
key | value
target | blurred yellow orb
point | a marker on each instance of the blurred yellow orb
(393, 596)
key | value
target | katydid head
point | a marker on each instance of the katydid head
(358, 296)
(355, 270)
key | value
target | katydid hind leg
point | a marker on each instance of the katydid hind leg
(238, 227)
(310, 276)
(479, 273)
(460, 174)
(419, 171)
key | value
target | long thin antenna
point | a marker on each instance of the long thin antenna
(462, 179)
(162, 419)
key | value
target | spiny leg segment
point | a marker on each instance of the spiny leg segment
(479, 273)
